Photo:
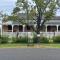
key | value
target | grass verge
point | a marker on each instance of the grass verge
(29, 46)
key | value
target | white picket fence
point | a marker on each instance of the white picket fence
(50, 34)
(10, 34)
(29, 34)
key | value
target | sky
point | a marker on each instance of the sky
(7, 6)
(58, 12)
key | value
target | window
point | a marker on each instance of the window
(9, 27)
(20, 28)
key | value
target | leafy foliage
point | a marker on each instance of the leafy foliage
(47, 8)
(19, 40)
(41, 39)
(14, 18)
(44, 40)
(4, 39)
(56, 39)
(16, 9)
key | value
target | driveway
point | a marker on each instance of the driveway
(29, 54)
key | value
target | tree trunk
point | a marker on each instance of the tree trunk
(38, 26)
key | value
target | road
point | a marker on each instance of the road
(29, 54)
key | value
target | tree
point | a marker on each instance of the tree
(32, 14)
(3, 18)
(16, 10)
(58, 3)
(25, 7)
(46, 10)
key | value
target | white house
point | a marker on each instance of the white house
(52, 27)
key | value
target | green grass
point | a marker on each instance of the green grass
(12, 45)
(31, 46)
(50, 45)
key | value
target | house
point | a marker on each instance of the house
(53, 25)
(51, 28)
(11, 28)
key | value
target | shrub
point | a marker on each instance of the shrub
(34, 39)
(19, 40)
(22, 40)
(13, 40)
(56, 39)
(44, 40)
(4, 39)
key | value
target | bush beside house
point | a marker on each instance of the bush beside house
(25, 40)
(44, 40)
(56, 39)
(4, 39)
(19, 40)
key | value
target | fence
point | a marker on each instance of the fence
(46, 34)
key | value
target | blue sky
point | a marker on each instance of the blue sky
(7, 6)
(58, 12)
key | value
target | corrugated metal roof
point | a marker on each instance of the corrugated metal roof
(56, 18)
(54, 22)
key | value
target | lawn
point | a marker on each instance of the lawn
(51, 45)
(30, 46)
(12, 45)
